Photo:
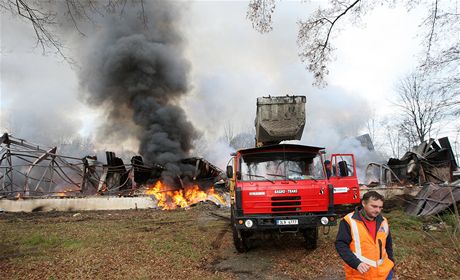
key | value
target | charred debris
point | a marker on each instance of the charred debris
(31, 170)
(121, 177)
(432, 167)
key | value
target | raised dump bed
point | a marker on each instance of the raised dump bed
(279, 118)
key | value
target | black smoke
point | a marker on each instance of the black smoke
(134, 68)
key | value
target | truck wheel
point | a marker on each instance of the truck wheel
(311, 238)
(240, 240)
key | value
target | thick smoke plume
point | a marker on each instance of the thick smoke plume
(136, 71)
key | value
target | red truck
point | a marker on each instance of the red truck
(284, 187)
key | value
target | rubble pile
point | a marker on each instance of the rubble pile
(432, 167)
(425, 163)
(433, 199)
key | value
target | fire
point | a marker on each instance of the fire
(183, 198)
(65, 192)
(212, 193)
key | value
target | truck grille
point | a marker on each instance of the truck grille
(286, 204)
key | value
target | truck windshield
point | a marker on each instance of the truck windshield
(281, 166)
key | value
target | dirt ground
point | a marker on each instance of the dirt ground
(190, 244)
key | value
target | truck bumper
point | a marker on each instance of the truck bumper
(297, 222)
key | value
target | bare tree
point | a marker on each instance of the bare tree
(228, 132)
(243, 140)
(394, 139)
(442, 50)
(387, 136)
(423, 106)
(370, 125)
(45, 17)
(373, 126)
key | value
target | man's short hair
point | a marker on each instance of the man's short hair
(372, 195)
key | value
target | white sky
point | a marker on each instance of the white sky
(371, 59)
(232, 64)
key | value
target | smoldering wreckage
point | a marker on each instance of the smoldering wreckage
(34, 178)
(431, 168)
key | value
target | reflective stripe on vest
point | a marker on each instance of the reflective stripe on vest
(385, 227)
(356, 239)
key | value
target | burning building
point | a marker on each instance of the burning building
(31, 171)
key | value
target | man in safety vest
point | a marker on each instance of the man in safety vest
(364, 241)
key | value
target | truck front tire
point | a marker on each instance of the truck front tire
(311, 238)
(240, 238)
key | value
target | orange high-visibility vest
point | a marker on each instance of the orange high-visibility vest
(368, 250)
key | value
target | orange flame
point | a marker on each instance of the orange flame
(217, 196)
(171, 199)
(65, 192)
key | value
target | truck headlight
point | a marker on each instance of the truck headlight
(324, 221)
(248, 223)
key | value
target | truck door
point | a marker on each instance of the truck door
(344, 180)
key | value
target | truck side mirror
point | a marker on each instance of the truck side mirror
(229, 171)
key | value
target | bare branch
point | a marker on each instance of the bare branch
(314, 39)
(433, 24)
(46, 17)
(123, 7)
(69, 10)
(144, 19)
(336, 19)
(260, 14)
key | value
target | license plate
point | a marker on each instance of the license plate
(287, 222)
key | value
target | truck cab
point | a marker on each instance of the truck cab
(284, 188)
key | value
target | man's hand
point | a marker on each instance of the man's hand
(363, 268)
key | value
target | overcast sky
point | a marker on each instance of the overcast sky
(230, 59)
(231, 65)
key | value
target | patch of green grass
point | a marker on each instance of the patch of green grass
(72, 244)
(40, 240)
(401, 221)
(450, 219)
(406, 232)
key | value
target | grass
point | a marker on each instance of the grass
(149, 244)
(107, 245)
(40, 240)
(43, 242)
(431, 252)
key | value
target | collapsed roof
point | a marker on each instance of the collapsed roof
(427, 162)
